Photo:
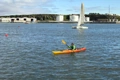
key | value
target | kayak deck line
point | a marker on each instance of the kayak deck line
(67, 51)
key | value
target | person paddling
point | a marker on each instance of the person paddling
(72, 46)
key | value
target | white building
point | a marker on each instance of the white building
(5, 19)
(74, 17)
(59, 17)
(24, 19)
(87, 19)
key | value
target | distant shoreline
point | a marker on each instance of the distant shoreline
(76, 22)
(95, 22)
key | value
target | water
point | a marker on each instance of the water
(26, 53)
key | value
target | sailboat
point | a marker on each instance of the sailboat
(81, 20)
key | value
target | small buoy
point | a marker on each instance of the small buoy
(6, 35)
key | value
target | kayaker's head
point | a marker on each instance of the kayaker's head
(72, 43)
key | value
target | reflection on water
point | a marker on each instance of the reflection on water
(26, 53)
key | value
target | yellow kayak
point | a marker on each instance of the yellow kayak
(67, 51)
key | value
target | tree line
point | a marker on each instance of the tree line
(96, 16)
(52, 17)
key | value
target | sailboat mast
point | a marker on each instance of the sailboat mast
(82, 14)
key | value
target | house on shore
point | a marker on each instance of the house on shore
(18, 20)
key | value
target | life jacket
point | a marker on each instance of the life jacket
(73, 47)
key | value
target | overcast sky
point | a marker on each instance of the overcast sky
(19, 7)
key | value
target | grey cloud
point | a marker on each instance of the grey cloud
(25, 6)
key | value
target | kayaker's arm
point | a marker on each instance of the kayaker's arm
(67, 46)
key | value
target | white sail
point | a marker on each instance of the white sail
(81, 19)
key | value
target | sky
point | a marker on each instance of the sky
(20, 7)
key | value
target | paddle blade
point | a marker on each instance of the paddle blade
(63, 42)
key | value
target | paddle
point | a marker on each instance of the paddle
(64, 43)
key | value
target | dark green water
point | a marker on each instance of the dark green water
(26, 53)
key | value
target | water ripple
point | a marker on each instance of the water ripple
(26, 54)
